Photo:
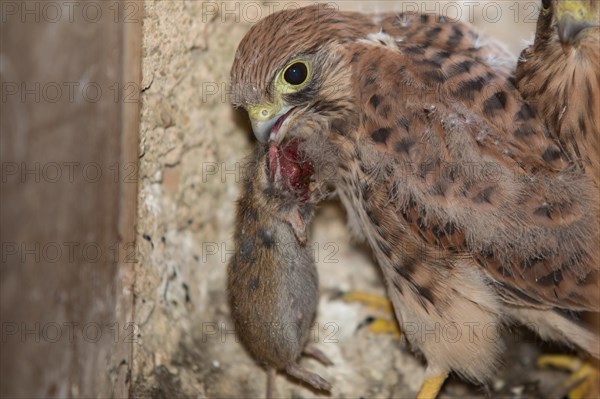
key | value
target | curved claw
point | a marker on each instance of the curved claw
(431, 387)
(378, 325)
(370, 300)
(584, 381)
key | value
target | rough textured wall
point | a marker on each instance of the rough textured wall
(191, 140)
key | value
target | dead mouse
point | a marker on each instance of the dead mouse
(272, 279)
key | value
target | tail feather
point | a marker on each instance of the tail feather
(552, 325)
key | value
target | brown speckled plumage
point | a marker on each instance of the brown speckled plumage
(564, 83)
(475, 215)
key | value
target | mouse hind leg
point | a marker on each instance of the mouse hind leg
(312, 379)
(315, 353)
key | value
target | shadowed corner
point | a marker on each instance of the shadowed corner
(240, 118)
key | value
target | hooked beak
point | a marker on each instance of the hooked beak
(264, 117)
(573, 17)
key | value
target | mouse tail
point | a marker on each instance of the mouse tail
(271, 383)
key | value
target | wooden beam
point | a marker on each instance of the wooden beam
(68, 203)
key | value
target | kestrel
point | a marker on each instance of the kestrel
(560, 73)
(474, 214)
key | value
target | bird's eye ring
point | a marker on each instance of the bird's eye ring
(296, 74)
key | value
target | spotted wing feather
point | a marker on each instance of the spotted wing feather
(474, 172)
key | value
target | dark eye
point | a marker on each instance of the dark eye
(546, 4)
(296, 73)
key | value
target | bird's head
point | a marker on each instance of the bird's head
(574, 20)
(288, 69)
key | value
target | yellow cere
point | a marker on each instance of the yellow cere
(266, 111)
(578, 9)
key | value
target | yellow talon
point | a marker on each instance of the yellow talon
(584, 381)
(378, 325)
(431, 387)
(375, 325)
(370, 300)
(564, 362)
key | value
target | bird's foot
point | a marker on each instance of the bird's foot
(312, 379)
(377, 302)
(374, 324)
(432, 385)
(379, 325)
(584, 381)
